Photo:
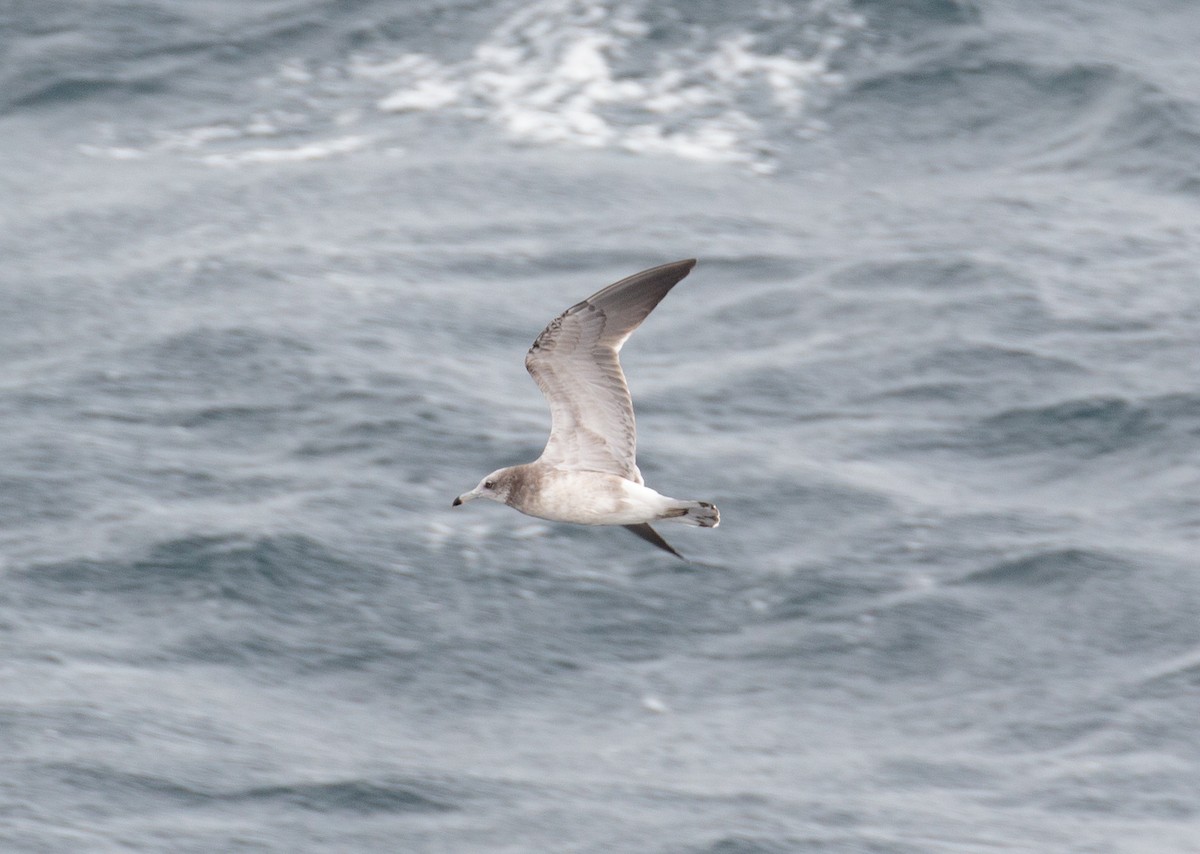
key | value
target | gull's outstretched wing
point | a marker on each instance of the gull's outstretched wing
(574, 362)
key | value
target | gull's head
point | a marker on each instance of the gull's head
(495, 486)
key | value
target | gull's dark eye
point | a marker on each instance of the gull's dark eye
(489, 484)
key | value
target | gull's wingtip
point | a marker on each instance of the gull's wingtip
(685, 265)
(677, 269)
(652, 536)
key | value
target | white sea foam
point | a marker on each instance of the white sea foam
(198, 142)
(423, 95)
(576, 72)
(587, 73)
(112, 152)
(293, 154)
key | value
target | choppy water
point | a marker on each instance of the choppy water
(269, 271)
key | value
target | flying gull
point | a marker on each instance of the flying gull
(587, 473)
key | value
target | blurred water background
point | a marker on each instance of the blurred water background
(269, 270)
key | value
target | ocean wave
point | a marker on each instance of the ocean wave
(264, 571)
(1135, 605)
(363, 797)
(1037, 111)
(1136, 130)
(1067, 568)
(1064, 432)
(68, 53)
(358, 796)
(37, 494)
(282, 603)
(677, 80)
(240, 382)
(238, 142)
(737, 843)
(959, 377)
(1087, 427)
(599, 73)
(1178, 676)
(66, 90)
(206, 359)
(972, 89)
(286, 604)
(910, 18)
(290, 154)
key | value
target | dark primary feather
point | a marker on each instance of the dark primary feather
(627, 303)
(652, 536)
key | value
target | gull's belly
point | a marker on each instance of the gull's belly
(592, 498)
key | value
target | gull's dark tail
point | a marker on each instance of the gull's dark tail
(651, 536)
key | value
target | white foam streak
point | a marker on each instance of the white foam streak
(424, 95)
(112, 152)
(300, 153)
(558, 71)
(586, 73)
(195, 141)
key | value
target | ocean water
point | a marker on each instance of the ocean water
(269, 273)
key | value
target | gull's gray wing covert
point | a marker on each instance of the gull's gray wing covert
(574, 362)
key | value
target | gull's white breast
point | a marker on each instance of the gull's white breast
(591, 498)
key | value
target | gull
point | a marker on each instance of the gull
(587, 473)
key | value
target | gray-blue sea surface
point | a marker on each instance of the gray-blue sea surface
(269, 271)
